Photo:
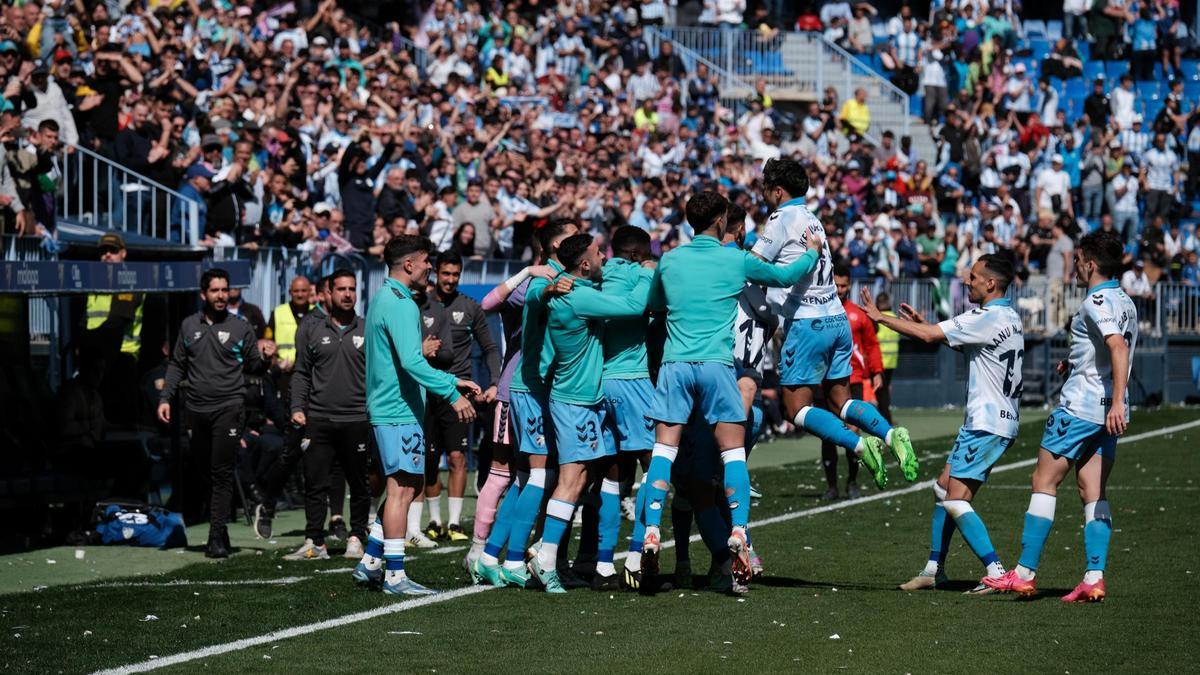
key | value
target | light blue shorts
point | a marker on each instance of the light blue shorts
(975, 453)
(627, 402)
(529, 413)
(581, 433)
(1075, 439)
(708, 388)
(401, 448)
(815, 350)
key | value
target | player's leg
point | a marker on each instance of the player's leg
(605, 578)
(458, 438)
(941, 529)
(498, 480)
(337, 499)
(721, 406)
(959, 494)
(318, 458)
(1092, 479)
(226, 430)
(852, 492)
(572, 477)
(866, 417)
(674, 398)
(402, 459)
(631, 577)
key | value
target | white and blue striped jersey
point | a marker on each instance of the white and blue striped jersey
(992, 340)
(782, 242)
(1105, 311)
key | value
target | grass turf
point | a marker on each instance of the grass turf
(830, 574)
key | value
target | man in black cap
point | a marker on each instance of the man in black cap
(213, 351)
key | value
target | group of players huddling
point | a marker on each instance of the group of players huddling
(579, 407)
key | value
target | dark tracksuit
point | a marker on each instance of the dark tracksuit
(329, 386)
(213, 357)
(439, 433)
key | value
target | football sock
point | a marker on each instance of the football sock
(610, 526)
(456, 504)
(941, 530)
(489, 501)
(498, 537)
(639, 522)
(681, 526)
(414, 518)
(526, 513)
(1038, 520)
(393, 560)
(435, 508)
(558, 516)
(975, 533)
(826, 426)
(1097, 531)
(737, 486)
(658, 477)
(373, 556)
(866, 417)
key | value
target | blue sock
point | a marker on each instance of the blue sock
(558, 518)
(1038, 520)
(660, 471)
(941, 530)
(1096, 534)
(525, 514)
(826, 426)
(393, 560)
(737, 486)
(866, 417)
(714, 530)
(375, 540)
(973, 530)
(681, 527)
(639, 520)
(610, 523)
(504, 519)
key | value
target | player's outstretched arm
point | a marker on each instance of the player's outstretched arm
(590, 303)
(782, 276)
(925, 332)
(402, 325)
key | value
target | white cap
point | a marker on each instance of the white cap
(1057, 158)
(1137, 119)
(1020, 67)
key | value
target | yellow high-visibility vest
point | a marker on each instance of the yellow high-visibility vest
(284, 334)
(889, 344)
(98, 309)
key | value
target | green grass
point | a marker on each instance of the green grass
(828, 574)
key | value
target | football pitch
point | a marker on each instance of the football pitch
(827, 602)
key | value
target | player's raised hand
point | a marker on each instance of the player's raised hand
(868, 305)
(560, 287)
(908, 312)
(543, 271)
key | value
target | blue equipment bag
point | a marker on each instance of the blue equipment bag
(138, 524)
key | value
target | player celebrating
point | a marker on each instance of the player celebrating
(397, 377)
(817, 347)
(992, 340)
(699, 284)
(1082, 432)
(585, 448)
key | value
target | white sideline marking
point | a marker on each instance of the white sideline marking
(338, 622)
(281, 581)
(407, 558)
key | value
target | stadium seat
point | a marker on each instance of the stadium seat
(1151, 109)
(1084, 49)
(1076, 88)
(1040, 47)
(916, 105)
(1054, 29)
(879, 30)
(1092, 70)
(1191, 90)
(1147, 91)
(1035, 28)
(769, 63)
(1191, 69)
(1113, 70)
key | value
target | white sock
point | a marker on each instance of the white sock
(858, 447)
(393, 547)
(633, 562)
(995, 570)
(888, 438)
(931, 568)
(477, 545)
(435, 508)
(548, 556)
(455, 509)
(414, 518)
(606, 569)
(489, 560)
(513, 564)
(1025, 573)
(1093, 576)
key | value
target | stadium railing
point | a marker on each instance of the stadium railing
(98, 191)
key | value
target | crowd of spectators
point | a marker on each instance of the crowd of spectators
(299, 125)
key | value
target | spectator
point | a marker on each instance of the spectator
(358, 197)
(855, 115)
(49, 104)
(475, 209)
(933, 80)
(1137, 286)
(1125, 206)
(1053, 192)
(1158, 176)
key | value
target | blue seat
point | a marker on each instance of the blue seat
(916, 105)
(1113, 70)
(1040, 47)
(1092, 70)
(1054, 29)
(1035, 28)
(1084, 49)
(1147, 91)
(1077, 88)
(1191, 89)
(1152, 108)
(769, 63)
(1191, 69)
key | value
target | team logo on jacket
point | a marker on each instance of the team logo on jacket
(325, 340)
(223, 336)
(196, 336)
(358, 341)
(457, 316)
(428, 321)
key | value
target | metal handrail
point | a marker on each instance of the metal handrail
(880, 81)
(100, 191)
(420, 56)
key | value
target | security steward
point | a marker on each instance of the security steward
(285, 319)
(113, 328)
(213, 352)
(328, 398)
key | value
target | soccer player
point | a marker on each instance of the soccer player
(817, 347)
(328, 399)
(1082, 431)
(535, 435)
(991, 338)
(212, 351)
(628, 390)
(866, 367)
(698, 284)
(467, 324)
(577, 403)
(397, 378)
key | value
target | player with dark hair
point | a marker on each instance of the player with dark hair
(1092, 413)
